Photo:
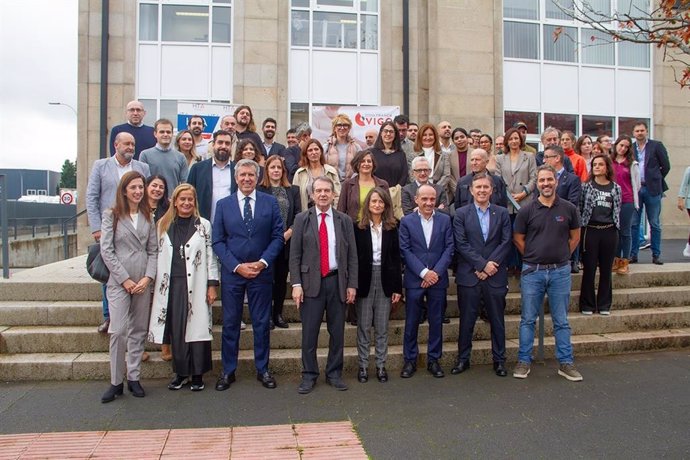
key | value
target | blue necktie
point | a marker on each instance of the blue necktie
(247, 214)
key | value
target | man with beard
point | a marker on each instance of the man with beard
(245, 127)
(101, 189)
(270, 146)
(445, 137)
(143, 134)
(213, 178)
(196, 125)
(546, 232)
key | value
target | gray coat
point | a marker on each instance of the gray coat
(102, 186)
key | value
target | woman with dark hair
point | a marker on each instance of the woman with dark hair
(380, 278)
(129, 250)
(157, 195)
(584, 147)
(389, 156)
(460, 158)
(600, 214)
(184, 143)
(486, 143)
(312, 164)
(428, 145)
(247, 149)
(627, 175)
(355, 189)
(186, 287)
(579, 165)
(275, 183)
(340, 147)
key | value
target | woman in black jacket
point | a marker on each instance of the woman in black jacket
(275, 183)
(380, 278)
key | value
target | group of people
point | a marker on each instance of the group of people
(353, 225)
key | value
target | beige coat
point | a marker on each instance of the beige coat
(302, 178)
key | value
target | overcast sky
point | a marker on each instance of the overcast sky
(38, 51)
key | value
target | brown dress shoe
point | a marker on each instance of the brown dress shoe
(166, 352)
(623, 267)
(616, 264)
(103, 327)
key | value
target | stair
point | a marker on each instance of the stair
(48, 319)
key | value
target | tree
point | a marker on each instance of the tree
(68, 175)
(666, 26)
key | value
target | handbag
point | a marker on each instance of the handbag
(95, 265)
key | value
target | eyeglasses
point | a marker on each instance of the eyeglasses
(421, 170)
(388, 131)
(136, 109)
(342, 125)
(546, 157)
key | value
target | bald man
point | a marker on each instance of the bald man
(479, 158)
(143, 134)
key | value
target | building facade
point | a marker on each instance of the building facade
(475, 63)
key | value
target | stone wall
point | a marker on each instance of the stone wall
(42, 250)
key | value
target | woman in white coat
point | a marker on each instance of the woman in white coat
(186, 287)
(128, 248)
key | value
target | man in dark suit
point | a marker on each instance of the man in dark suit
(569, 186)
(213, 178)
(270, 146)
(654, 166)
(478, 161)
(421, 172)
(426, 244)
(293, 153)
(483, 238)
(247, 238)
(324, 276)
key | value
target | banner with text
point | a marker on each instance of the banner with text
(363, 120)
(211, 112)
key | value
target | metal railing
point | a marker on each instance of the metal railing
(3, 224)
(25, 226)
(65, 234)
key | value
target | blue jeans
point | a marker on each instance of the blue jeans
(652, 206)
(533, 286)
(625, 232)
(106, 312)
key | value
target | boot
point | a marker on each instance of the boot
(623, 268)
(616, 264)
(166, 352)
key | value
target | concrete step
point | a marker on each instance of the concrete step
(78, 366)
(68, 281)
(83, 313)
(78, 339)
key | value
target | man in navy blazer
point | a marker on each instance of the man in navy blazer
(247, 238)
(217, 169)
(479, 159)
(483, 239)
(569, 186)
(426, 244)
(654, 166)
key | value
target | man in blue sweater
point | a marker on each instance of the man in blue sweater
(143, 134)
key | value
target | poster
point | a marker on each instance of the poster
(363, 119)
(211, 112)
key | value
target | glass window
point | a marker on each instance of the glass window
(598, 10)
(335, 30)
(560, 43)
(370, 6)
(148, 22)
(596, 125)
(221, 24)
(151, 111)
(531, 119)
(169, 110)
(561, 121)
(300, 3)
(521, 40)
(597, 47)
(185, 23)
(554, 12)
(299, 112)
(626, 125)
(633, 8)
(633, 54)
(300, 28)
(338, 3)
(369, 32)
(521, 9)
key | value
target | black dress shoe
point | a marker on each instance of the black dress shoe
(460, 367)
(336, 383)
(446, 320)
(178, 382)
(224, 381)
(306, 386)
(381, 374)
(574, 267)
(656, 260)
(500, 369)
(197, 383)
(103, 327)
(363, 375)
(267, 380)
(280, 322)
(408, 370)
(135, 388)
(434, 369)
(113, 392)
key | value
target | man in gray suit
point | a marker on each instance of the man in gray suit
(101, 189)
(323, 271)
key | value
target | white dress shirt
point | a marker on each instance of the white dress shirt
(222, 183)
(376, 236)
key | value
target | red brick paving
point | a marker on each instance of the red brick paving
(331, 441)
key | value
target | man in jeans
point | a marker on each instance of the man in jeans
(546, 232)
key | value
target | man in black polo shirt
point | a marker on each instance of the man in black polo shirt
(546, 232)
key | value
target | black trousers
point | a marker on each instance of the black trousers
(469, 302)
(598, 250)
(280, 272)
(311, 313)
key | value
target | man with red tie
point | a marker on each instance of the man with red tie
(323, 272)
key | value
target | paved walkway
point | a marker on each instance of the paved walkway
(335, 440)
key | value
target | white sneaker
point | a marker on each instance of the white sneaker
(686, 251)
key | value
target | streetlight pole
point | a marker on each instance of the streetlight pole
(66, 105)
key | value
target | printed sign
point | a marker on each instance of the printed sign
(363, 119)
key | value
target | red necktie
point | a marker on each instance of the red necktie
(323, 243)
